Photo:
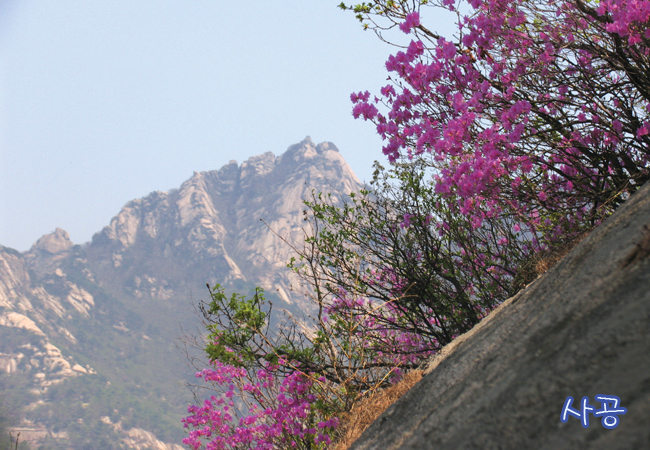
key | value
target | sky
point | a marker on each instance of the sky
(102, 102)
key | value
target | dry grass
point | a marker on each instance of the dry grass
(368, 410)
(544, 260)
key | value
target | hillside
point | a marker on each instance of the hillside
(89, 333)
(580, 330)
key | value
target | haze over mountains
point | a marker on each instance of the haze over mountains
(87, 332)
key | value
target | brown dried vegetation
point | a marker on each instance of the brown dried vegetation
(544, 260)
(369, 409)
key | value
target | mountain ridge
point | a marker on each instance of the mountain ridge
(93, 321)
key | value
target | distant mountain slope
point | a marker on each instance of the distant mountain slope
(87, 331)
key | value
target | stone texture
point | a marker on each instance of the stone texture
(212, 224)
(581, 329)
(53, 243)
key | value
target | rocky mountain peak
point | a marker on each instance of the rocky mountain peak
(229, 174)
(259, 165)
(53, 243)
(304, 150)
(326, 146)
(105, 314)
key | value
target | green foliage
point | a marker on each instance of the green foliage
(5, 444)
(235, 343)
(240, 332)
(10, 410)
(388, 290)
(394, 10)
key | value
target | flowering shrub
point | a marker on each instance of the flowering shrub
(400, 269)
(280, 386)
(537, 109)
(526, 128)
(274, 416)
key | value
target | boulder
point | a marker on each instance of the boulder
(54, 243)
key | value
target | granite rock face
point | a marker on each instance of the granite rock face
(223, 226)
(100, 322)
(581, 329)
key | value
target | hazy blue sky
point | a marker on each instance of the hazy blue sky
(102, 102)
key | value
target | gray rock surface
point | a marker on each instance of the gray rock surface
(581, 329)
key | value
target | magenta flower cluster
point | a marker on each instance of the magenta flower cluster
(412, 21)
(538, 108)
(628, 18)
(265, 410)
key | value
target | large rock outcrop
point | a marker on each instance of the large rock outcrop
(88, 333)
(581, 329)
(211, 225)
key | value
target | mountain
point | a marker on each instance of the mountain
(89, 333)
